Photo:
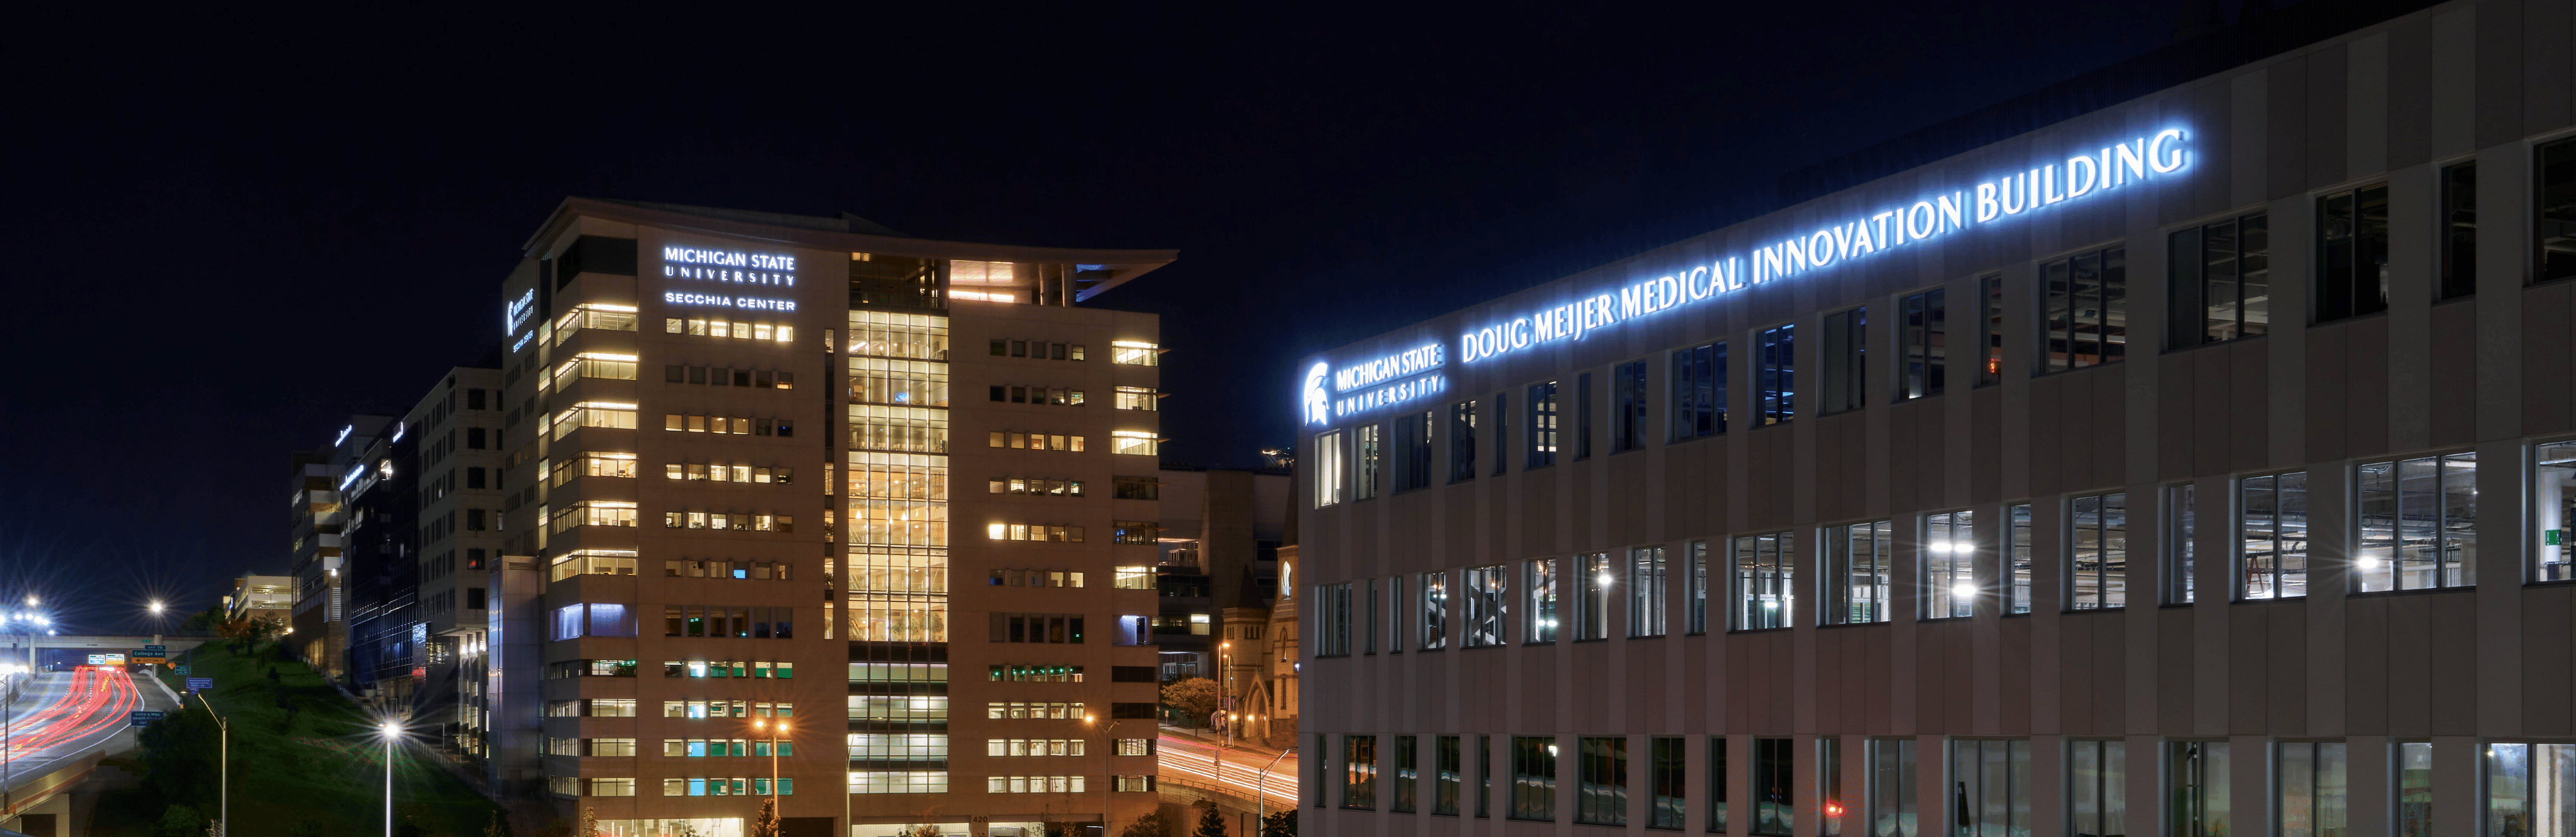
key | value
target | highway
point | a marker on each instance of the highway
(1199, 762)
(72, 712)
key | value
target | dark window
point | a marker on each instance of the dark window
(595, 254)
(1716, 783)
(1774, 787)
(1019, 348)
(1369, 447)
(997, 348)
(786, 427)
(1628, 406)
(1135, 488)
(1413, 451)
(675, 373)
(1144, 709)
(1446, 773)
(1542, 425)
(474, 598)
(1601, 789)
(1407, 784)
(762, 380)
(1583, 416)
(473, 520)
(474, 478)
(1699, 391)
(2352, 253)
(474, 438)
(721, 377)
(1533, 778)
(473, 399)
(2459, 232)
(474, 561)
(1666, 808)
(697, 374)
(1990, 368)
(2088, 309)
(1925, 332)
(742, 377)
(997, 393)
(2555, 187)
(1055, 351)
(1846, 359)
(1131, 674)
(1775, 368)
(1462, 441)
(2219, 281)
(1484, 774)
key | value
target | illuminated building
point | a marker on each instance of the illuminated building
(318, 555)
(265, 597)
(456, 430)
(2239, 504)
(762, 468)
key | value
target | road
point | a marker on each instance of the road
(1199, 762)
(72, 713)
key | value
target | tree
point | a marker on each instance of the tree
(1211, 823)
(180, 821)
(589, 825)
(1149, 825)
(767, 825)
(1194, 698)
(496, 829)
(1282, 824)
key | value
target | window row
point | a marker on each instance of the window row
(1050, 628)
(886, 334)
(578, 786)
(1034, 711)
(565, 669)
(754, 786)
(1044, 488)
(912, 383)
(1034, 441)
(736, 621)
(1034, 578)
(700, 669)
(1033, 674)
(780, 332)
(708, 568)
(1979, 787)
(590, 747)
(699, 710)
(699, 748)
(2414, 528)
(1033, 747)
(1039, 349)
(1032, 532)
(720, 376)
(1057, 396)
(727, 473)
(734, 521)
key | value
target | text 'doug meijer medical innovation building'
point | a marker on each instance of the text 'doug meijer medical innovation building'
(2202, 464)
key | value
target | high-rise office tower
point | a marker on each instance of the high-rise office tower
(796, 506)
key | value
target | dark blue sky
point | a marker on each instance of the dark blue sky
(227, 232)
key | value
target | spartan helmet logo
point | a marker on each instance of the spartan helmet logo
(1317, 412)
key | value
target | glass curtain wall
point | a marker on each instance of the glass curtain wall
(897, 541)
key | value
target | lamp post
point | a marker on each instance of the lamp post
(224, 764)
(1261, 789)
(780, 730)
(390, 731)
(1224, 684)
(1108, 770)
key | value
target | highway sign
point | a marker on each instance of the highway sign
(200, 684)
(98, 659)
(141, 717)
(183, 670)
(162, 648)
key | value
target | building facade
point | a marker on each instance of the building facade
(318, 553)
(757, 465)
(269, 598)
(458, 457)
(2237, 505)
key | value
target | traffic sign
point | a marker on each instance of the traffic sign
(200, 684)
(162, 648)
(146, 716)
(183, 670)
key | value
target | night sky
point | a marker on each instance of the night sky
(229, 233)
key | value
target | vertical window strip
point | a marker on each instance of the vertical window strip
(1646, 591)
(2018, 558)
(2272, 543)
(1948, 557)
(2098, 553)
(1857, 562)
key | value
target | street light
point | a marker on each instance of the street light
(1108, 768)
(779, 729)
(156, 607)
(224, 805)
(1261, 789)
(390, 731)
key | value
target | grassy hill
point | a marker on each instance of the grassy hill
(305, 761)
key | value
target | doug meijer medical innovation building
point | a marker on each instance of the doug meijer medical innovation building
(2197, 465)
